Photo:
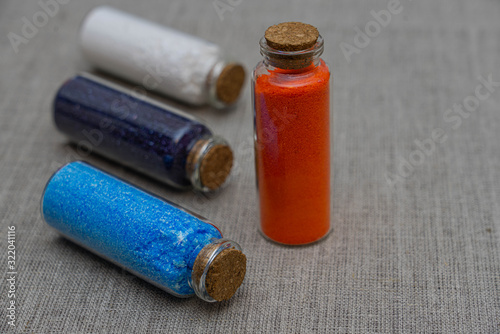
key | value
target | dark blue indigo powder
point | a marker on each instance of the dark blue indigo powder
(138, 132)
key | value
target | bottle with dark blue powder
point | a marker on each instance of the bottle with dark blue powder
(141, 133)
(168, 246)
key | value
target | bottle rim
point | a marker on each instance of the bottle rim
(214, 99)
(313, 52)
(197, 281)
(193, 168)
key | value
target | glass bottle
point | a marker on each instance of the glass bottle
(166, 245)
(292, 134)
(161, 59)
(153, 138)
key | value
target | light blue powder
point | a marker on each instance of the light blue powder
(126, 225)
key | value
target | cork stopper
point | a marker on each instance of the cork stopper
(291, 45)
(225, 272)
(291, 36)
(229, 83)
(212, 163)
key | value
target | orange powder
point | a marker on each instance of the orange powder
(292, 111)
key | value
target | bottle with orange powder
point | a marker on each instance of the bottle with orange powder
(291, 92)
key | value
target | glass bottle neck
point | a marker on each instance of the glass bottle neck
(291, 60)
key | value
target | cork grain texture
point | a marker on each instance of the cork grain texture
(230, 83)
(216, 166)
(291, 36)
(226, 274)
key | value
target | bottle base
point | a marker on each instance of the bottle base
(308, 243)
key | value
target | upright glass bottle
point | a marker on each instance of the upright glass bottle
(292, 134)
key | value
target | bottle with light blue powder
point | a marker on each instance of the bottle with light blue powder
(168, 246)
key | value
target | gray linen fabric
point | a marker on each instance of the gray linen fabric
(415, 241)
